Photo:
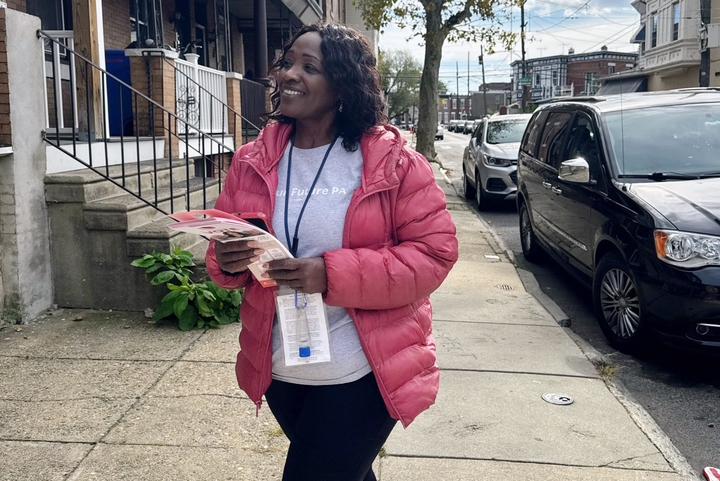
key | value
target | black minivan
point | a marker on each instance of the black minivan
(624, 192)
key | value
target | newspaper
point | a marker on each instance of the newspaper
(223, 227)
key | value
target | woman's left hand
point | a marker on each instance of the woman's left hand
(305, 274)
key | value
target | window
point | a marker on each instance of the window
(54, 14)
(532, 133)
(537, 79)
(551, 145)
(676, 21)
(590, 85)
(653, 30)
(454, 104)
(611, 69)
(446, 117)
(555, 77)
(582, 142)
(462, 104)
(445, 104)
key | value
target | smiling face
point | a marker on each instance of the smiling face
(305, 92)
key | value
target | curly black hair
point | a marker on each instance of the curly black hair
(351, 69)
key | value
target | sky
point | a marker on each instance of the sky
(553, 27)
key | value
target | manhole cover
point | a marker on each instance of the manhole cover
(557, 398)
(505, 287)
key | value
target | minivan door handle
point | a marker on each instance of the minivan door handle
(556, 190)
(547, 185)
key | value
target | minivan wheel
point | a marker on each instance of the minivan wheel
(618, 306)
(530, 247)
(468, 189)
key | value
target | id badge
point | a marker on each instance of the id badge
(304, 327)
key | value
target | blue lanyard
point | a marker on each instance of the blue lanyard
(294, 246)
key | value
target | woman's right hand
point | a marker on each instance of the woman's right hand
(234, 257)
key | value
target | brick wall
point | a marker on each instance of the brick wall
(19, 5)
(238, 55)
(5, 132)
(116, 23)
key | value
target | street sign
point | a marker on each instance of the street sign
(524, 80)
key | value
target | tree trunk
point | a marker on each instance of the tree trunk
(427, 117)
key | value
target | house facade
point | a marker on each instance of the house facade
(679, 43)
(573, 74)
(114, 113)
(452, 107)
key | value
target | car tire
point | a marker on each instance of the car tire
(530, 248)
(483, 202)
(618, 306)
(468, 189)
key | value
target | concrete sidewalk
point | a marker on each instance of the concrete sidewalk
(90, 395)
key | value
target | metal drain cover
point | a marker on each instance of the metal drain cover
(557, 398)
(505, 287)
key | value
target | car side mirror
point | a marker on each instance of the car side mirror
(473, 141)
(575, 170)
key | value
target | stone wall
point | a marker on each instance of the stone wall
(25, 279)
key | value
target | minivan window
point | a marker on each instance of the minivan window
(551, 146)
(532, 133)
(681, 139)
(506, 131)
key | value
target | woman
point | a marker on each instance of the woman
(368, 227)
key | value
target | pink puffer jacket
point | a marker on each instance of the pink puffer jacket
(398, 246)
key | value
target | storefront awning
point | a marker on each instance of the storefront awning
(623, 86)
(639, 36)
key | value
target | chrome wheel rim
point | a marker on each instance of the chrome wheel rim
(526, 230)
(620, 303)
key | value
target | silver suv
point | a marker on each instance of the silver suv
(490, 159)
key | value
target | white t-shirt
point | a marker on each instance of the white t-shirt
(320, 230)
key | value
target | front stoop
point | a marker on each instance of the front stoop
(98, 229)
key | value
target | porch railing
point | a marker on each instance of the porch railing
(201, 96)
(59, 74)
(149, 120)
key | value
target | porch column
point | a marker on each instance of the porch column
(234, 103)
(152, 72)
(89, 42)
(261, 48)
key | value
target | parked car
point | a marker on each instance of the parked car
(452, 125)
(440, 134)
(466, 126)
(490, 159)
(622, 191)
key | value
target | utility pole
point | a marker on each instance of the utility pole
(467, 102)
(457, 86)
(482, 63)
(522, 51)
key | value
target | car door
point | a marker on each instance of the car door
(543, 173)
(473, 149)
(571, 217)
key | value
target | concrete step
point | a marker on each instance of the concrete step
(86, 185)
(157, 236)
(126, 212)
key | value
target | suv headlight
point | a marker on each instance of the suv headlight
(685, 249)
(495, 162)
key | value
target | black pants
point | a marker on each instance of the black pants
(335, 431)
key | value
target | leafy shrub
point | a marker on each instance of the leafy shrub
(194, 304)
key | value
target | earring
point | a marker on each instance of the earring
(340, 108)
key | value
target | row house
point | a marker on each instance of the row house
(115, 113)
(454, 107)
(569, 75)
(679, 44)
(490, 97)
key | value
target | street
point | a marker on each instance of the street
(680, 390)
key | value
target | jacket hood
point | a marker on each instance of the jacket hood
(383, 148)
(691, 205)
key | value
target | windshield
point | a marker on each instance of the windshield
(506, 131)
(679, 139)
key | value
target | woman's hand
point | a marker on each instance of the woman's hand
(306, 274)
(234, 257)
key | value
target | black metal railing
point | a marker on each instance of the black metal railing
(88, 139)
(194, 101)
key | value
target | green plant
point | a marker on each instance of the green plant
(195, 304)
